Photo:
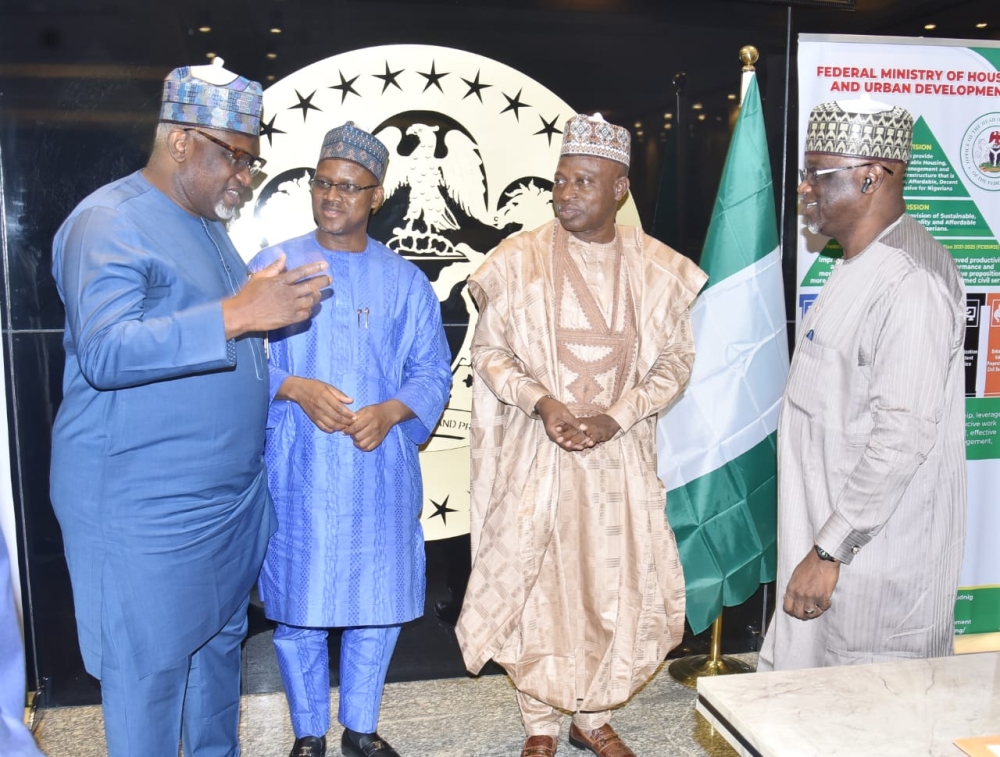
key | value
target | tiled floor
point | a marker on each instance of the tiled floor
(458, 717)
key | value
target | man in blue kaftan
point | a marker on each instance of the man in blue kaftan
(354, 393)
(158, 448)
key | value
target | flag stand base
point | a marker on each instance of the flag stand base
(687, 670)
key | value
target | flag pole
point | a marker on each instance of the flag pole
(687, 670)
(748, 56)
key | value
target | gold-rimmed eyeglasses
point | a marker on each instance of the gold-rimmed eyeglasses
(241, 159)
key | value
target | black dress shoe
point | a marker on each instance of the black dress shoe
(309, 746)
(354, 744)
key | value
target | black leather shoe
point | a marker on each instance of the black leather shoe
(309, 746)
(354, 744)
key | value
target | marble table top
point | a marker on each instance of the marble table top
(907, 708)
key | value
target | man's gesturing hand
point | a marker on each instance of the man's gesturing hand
(274, 297)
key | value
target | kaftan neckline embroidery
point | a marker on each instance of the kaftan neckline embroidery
(618, 342)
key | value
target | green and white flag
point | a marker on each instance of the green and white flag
(717, 445)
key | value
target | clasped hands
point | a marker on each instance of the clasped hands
(572, 433)
(326, 406)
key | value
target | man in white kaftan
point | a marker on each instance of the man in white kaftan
(583, 337)
(871, 438)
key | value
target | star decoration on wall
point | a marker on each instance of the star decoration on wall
(305, 103)
(389, 78)
(442, 509)
(475, 88)
(548, 127)
(345, 87)
(433, 78)
(514, 103)
(269, 130)
(392, 78)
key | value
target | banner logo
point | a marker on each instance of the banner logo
(980, 152)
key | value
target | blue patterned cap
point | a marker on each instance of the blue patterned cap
(348, 142)
(214, 97)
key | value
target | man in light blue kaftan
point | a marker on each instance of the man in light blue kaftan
(354, 394)
(157, 472)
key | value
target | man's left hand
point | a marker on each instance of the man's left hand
(372, 423)
(600, 428)
(810, 587)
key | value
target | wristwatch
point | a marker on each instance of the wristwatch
(823, 554)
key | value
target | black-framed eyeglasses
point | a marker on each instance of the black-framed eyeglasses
(241, 159)
(811, 175)
(323, 186)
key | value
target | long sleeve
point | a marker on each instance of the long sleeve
(111, 288)
(664, 381)
(427, 371)
(913, 347)
(497, 365)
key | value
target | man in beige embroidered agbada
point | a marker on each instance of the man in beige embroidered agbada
(583, 337)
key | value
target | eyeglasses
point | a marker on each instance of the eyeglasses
(811, 175)
(241, 159)
(323, 186)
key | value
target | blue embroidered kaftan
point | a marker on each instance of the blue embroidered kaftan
(349, 546)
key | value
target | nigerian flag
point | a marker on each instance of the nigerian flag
(716, 445)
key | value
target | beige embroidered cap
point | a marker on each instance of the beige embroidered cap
(592, 135)
(861, 129)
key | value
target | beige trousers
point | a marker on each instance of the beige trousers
(540, 719)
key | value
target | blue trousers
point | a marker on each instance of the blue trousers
(15, 739)
(304, 661)
(197, 700)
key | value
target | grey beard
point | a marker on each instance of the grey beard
(224, 212)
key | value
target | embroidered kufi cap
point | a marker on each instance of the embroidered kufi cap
(348, 142)
(214, 97)
(592, 135)
(861, 129)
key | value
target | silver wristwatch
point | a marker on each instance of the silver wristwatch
(823, 554)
